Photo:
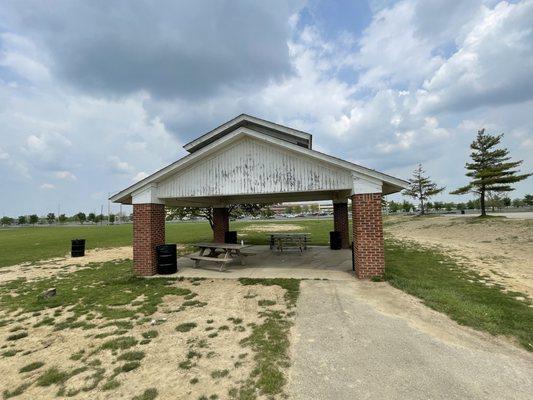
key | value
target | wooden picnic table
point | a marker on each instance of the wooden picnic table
(216, 249)
(285, 240)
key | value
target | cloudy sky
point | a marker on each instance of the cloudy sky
(95, 95)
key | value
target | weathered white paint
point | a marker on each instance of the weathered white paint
(368, 185)
(146, 195)
(271, 170)
(251, 166)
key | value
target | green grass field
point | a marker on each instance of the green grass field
(32, 244)
(436, 279)
(19, 245)
(460, 293)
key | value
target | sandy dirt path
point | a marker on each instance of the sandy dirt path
(500, 249)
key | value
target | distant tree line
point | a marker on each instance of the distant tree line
(494, 202)
(51, 218)
(305, 209)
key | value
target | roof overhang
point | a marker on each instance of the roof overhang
(389, 183)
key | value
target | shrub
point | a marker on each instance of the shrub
(132, 356)
(150, 334)
(31, 367)
(52, 376)
(121, 343)
(186, 327)
(17, 336)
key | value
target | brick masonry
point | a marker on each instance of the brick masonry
(221, 224)
(340, 223)
(368, 235)
(148, 232)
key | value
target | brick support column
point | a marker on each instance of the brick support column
(368, 235)
(221, 224)
(340, 223)
(148, 232)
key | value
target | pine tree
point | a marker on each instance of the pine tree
(421, 188)
(491, 169)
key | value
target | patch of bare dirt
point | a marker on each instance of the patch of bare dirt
(273, 228)
(224, 316)
(499, 249)
(48, 268)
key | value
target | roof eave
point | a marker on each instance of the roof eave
(392, 184)
(197, 143)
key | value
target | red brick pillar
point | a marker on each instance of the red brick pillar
(148, 232)
(340, 222)
(368, 235)
(221, 224)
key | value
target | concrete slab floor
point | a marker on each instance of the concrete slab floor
(317, 262)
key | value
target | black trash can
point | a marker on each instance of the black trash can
(166, 259)
(77, 248)
(335, 240)
(230, 237)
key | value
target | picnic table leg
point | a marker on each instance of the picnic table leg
(197, 262)
(226, 256)
(241, 257)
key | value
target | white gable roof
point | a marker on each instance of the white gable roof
(191, 169)
(250, 165)
(260, 125)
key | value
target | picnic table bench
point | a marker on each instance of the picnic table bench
(216, 249)
(287, 240)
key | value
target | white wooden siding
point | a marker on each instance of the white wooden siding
(250, 166)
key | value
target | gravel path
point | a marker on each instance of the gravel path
(362, 340)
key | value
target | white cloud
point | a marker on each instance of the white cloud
(135, 146)
(139, 176)
(97, 195)
(527, 143)
(66, 175)
(13, 165)
(21, 56)
(47, 151)
(3, 154)
(117, 166)
(391, 51)
(415, 85)
(446, 22)
(407, 140)
(46, 142)
(493, 64)
(47, 186)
